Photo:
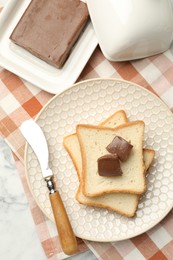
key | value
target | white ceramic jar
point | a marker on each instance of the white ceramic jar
(132, 29)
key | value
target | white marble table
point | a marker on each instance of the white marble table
(18, 236)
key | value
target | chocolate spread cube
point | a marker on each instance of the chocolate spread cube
(49, 28)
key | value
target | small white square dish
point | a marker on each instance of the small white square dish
(31, 68)
(132, 29)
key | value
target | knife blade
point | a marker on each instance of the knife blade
(37, 140)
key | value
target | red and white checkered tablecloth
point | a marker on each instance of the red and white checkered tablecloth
(19, 100)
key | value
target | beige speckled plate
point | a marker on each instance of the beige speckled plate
(91, 102)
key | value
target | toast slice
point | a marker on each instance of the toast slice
(93, 142)
(71, 142)
(123, 203)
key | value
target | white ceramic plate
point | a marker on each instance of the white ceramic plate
(34, 70)
(91, 102)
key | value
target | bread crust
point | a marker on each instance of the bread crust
(89, 202)
(108, 119)
(76, 165)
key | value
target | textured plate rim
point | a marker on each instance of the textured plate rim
(165, 212)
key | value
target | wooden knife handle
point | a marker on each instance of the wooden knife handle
(66, 235)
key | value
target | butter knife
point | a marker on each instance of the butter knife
(35, 137)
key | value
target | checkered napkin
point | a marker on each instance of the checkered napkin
(19, 101)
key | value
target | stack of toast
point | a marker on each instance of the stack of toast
(117, 193)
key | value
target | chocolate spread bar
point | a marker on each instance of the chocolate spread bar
(49, 28)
